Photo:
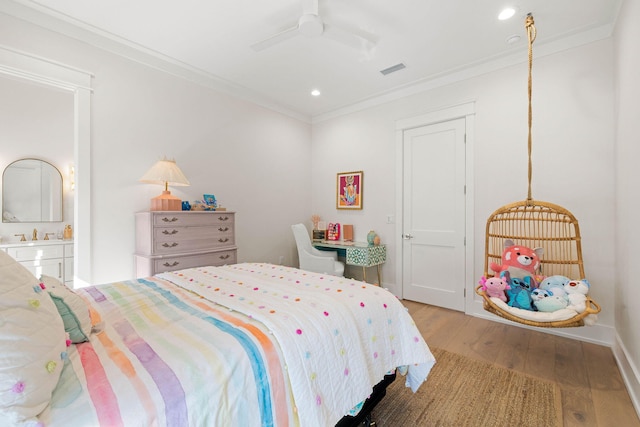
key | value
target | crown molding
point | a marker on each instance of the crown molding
(468, 71)
(68, 26)
(65, 25)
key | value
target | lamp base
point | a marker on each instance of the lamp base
(166, 202)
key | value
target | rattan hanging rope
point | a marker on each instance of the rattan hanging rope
(531, 35)
(537, 224)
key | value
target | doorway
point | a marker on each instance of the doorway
(30, 68)
(435, 251)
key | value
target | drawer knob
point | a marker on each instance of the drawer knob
(223, 229)
(223, 218)
(173, 264)
(173, 219)
(225, 256)
(170, 245)
(169, 232)
(225, 240)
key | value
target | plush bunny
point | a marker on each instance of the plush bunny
(495, 287)
(519, 261)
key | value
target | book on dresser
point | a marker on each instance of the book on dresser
(173, 240)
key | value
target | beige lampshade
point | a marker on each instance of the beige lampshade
(165, 172)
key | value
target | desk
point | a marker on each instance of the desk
(357, 253)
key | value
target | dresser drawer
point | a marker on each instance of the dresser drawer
(198, 260)
(216, 235)
(186, 219)
(177, 246)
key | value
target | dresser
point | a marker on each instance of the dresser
(49, 257)
(173, 240)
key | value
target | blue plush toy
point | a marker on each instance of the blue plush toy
(520, 293)
(555, 285)
(538, 295)
(552, 303)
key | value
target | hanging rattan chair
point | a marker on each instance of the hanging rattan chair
(537, 224)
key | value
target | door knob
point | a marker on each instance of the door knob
(407, 236)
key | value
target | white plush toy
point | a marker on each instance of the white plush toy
(577, 292)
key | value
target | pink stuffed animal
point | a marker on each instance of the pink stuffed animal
(495, 287)
(519, 261)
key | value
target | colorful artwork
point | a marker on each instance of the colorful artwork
(333, 231)
(349, 191)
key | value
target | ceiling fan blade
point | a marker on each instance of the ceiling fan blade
(353, 37)
(275, 39)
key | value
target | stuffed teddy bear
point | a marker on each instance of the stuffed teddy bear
(520, 293)
(519, 261)
(577, 293)
(495, 287)
(555, 285)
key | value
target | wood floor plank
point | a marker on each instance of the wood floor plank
(540, 360)
(611, 402)
(593, 392)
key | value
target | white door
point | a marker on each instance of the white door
(434, 214)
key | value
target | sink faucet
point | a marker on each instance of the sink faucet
(35, 234)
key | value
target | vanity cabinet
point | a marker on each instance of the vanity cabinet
(174, 240)
(50, 257)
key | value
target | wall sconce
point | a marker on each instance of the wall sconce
(72, 177)
(165, 172)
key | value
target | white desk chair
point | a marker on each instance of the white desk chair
(312, 259)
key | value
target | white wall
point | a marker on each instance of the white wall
(627, 195)
(36, 122)
(257, 161)
(254, 160)
(573, 157)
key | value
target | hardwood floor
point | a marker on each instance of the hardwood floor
(593, 392)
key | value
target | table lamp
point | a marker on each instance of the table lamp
(167, 173)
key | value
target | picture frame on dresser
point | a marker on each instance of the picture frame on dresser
(174, 240)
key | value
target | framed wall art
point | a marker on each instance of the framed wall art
(349, 190)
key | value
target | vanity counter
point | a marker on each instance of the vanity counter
(51, 257)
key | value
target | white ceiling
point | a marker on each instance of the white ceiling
(432, 38)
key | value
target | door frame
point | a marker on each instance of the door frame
(46, 72)
(466, 111)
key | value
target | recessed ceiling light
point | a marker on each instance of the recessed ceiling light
(315, 92)
(506, 13)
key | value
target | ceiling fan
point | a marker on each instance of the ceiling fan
(310, 24)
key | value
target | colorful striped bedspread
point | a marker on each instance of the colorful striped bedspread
(240, 345)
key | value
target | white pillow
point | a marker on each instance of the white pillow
(73, 309)
(32, 344)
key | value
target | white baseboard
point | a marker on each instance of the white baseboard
(629, 372)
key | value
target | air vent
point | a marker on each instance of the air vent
(393, 69)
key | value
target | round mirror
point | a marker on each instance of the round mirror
(31, 192)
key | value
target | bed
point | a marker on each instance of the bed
(248, 344)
